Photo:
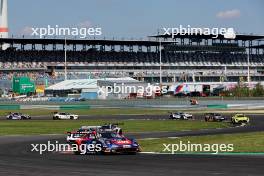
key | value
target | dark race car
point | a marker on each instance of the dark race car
(106, 143)
(115, 143)
(17, 116)
(214, 117)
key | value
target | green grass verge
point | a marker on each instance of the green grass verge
(116, 111)
(243, 142)
(60, 127)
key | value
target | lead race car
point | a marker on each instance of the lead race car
(115, 143)
(106, 139)
(17, 116)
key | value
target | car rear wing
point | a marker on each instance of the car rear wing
(91, 128)
(77, 132)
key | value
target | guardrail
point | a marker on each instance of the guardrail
(169, 107)
(48, 107)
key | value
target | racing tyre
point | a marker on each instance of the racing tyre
(55, 118)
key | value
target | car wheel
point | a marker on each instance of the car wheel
(72, 118)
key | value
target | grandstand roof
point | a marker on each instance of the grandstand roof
(244, 37)
(85, 83)
(79, 42)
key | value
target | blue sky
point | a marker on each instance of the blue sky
(137, 18)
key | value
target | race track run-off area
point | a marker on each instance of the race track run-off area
(16, 157)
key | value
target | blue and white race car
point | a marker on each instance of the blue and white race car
(115, 143)
(107, 140)
(17, 116)
(180, 116)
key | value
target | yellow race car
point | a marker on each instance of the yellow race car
(239, 118)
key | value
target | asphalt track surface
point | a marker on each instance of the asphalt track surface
(17, 159)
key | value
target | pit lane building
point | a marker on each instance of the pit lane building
(107, 88)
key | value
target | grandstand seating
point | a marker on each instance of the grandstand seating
(135, 64)
(41, 59)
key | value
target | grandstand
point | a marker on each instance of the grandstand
(196, 58)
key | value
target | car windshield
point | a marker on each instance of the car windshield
(105, 127)
(240, 115)
(108, 135)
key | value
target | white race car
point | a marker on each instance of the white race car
(65, 116)
(181, 116)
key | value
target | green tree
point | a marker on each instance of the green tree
(258, 91)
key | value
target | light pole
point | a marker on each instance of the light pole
(65, 59)
(248, 62)
(160, 62)
(160, 56)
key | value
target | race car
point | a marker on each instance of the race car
(106, 143)
(214, 117)
(17, 116)
(115, 143)
(64, 116)
(111, 128)
(180, 116)
(109, 138)
(78, 134)
(239, 118)
(72, 137)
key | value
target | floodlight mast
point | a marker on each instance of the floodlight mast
(4, 22)
(160, 55)
(65, 59)
(248, 62)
